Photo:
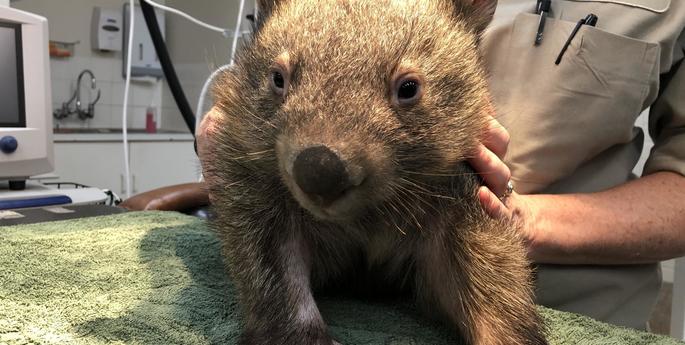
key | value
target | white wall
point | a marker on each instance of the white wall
(69, 21)
(643, 122)
(196, 51)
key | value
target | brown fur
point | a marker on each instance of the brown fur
(414, 222)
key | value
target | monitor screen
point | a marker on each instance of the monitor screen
(11, 77)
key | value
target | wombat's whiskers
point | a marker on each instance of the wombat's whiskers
(412, 196)
(262, 120)
(388, 217)
(402, 202)
(436, 173)
(252, 155)
(424, 191)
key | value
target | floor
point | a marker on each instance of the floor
(660, 322)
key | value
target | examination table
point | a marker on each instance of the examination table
(156, 277)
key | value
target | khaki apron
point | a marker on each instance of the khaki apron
(572, 125)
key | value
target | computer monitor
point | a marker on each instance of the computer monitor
(26, 147)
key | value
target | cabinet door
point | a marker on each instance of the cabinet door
(161, 164)
(93, 164)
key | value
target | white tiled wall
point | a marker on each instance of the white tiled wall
(196, 51)
(192, 77)
(69, 21)
(109, 80)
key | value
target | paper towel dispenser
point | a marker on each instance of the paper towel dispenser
(144, 60)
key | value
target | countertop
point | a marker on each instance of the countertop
(62, 135)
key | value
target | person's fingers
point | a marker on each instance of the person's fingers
(497, 138)
(208, 126)
(493, 206)
(209, 121)
(490, 167)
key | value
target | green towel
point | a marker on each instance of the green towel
(157, 278)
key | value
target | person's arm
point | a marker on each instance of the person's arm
(641, 221)
(637, 222)
(186, 196)
(180, 197)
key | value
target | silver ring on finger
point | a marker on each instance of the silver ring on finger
(509, 189)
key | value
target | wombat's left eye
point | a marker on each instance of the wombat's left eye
(408, 89)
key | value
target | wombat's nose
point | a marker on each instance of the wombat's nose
(318, 171)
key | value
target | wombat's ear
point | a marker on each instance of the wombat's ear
(266, 7)
(478, 13)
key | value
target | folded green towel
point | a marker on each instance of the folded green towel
(157, 278)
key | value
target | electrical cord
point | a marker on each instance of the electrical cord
(200, 109)
(170, 76)
(236, 35)
(236, 32)
(150, 16)
(124, 122)
(223, 31)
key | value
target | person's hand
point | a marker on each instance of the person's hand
(207, 128)
(487, 162)
(186, 196)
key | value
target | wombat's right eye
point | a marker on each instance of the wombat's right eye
(278, 82)
(408, 90)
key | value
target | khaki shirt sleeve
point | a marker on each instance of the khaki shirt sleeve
(667, 125)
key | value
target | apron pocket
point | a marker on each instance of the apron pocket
(657, 6)
(560, 116)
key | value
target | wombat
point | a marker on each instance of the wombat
(340, 161)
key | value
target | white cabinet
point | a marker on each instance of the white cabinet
(95, 164)
(153, 164)
(160, 164)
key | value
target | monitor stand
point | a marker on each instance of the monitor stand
(37, 194)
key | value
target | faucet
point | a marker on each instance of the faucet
(65, 111)
(78, 86)
(90, 113)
